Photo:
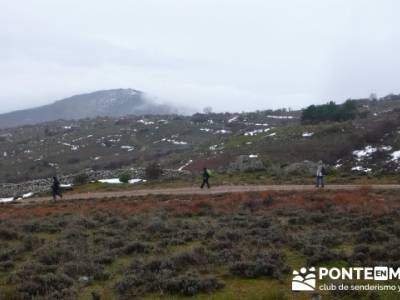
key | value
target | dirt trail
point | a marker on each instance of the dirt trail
(212, 191)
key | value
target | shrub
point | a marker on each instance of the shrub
(137, 247)
(55, 253)
(7, 254)
(369, 235)
(85, 268)
(130, 283)
(6, 266)
(153, 171)
(32, 242)
(44, 225)
(263, 264)
(8, 234)
(53, 285)
(125, 177)
(81, 179)
(104, 258)
(191, 284)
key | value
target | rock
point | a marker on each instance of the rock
(245, 163)
(84, 279)
(306, 168)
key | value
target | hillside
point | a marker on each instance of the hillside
(112, 103)
(364, 146)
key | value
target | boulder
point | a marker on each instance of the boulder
(306, 168)
(246, 163)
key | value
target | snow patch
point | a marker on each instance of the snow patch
(6, 200)
(185, 165)
(223, 131)
(256, 131)
(233, 119)
(364, 153)
(307, 134)
(175, 142)
(66, 185)
(280, 117)
(395, 155)
(117, 181)
(361, 169)
(128, 148)
(146, 122)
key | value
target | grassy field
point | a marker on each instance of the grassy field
(231, 246)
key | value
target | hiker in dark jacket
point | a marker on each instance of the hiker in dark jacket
(206, 177)
(321, 172)
(55, 188)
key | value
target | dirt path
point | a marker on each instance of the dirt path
(214, 190)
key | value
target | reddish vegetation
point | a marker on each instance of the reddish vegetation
(346, 201)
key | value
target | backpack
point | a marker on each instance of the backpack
(323, 171)
(209, 173)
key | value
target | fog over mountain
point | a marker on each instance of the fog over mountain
(233, 55)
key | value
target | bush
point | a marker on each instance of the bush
(153, 171)
(6, 266)
(8, 234)
(44, 225)
(329, 112)
(263, 264)
(53, 285)
(137, 247)
(85, 268)
(81, 179)
(191, 284)
(53, 254)
(370, 235)
(125, 177)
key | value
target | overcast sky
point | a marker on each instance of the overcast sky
(233, 55)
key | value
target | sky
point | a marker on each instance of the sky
(232, 55)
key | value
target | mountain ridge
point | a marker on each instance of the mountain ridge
(110, 103)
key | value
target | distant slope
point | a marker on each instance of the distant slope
(112, 103)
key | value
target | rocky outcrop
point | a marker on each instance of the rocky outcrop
(43, 185)
(303, 168)
(245, 163)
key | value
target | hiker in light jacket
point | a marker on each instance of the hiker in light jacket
(321, 172)
(206, 177)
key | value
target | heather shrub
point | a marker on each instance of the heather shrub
(81, 179)
(125, 177)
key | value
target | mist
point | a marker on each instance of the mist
(231, 55)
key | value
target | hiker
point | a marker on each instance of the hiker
(206, 177)
(56, 191)
(321, 172)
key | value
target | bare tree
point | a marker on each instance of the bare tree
(207, 110)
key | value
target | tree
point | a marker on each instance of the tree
(329, 112)
(153, 171)
(207, 110)
(125, 177)
(373, 97)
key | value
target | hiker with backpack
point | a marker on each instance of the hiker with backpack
(321, 172)
(206, 177)
(56, 189)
